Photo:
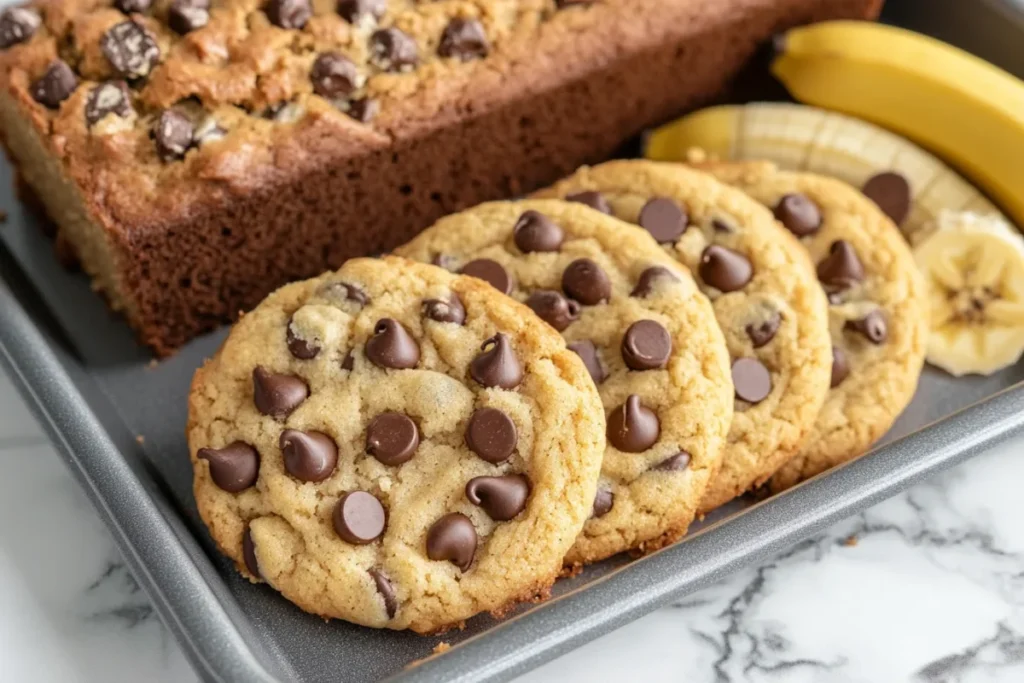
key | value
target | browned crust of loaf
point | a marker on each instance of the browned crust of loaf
(331, 189)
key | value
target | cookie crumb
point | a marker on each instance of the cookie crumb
(152, 364)
(442, 647)
(850, 541)
(140, 439)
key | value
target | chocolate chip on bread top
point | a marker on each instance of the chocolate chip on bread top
(396, 446)
(646, 334)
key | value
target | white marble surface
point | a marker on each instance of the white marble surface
(927, 587)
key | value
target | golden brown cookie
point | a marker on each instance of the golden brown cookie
(766, 298)
(878, 313)
(396, 446)
(644, 330)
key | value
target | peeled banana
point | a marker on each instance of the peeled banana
(974, 271)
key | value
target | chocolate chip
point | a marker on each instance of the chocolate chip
(386, 591)
(646, 345)
(633, 427)
(392, 438)
(464, 39)
(491, 434)
(345, 291)
(359, 518)
(873, 326)
(289, 13)
(303, 349)
(334, 75)
(491, 272)
(353, 11)
(308, 456)
(447, 310)
(799, 214)
(763, 332)
(391, 346)
(553, 308)
(130, 49)
(185, 16)
(452, 538)
(444, 261)
(277, 395)
(249, 553)
(133, 6)
(664, 219)
(502, 498)
(392, 50)
(595, 200)
(646, 283)
(603, 501)
(233, 468)
(841, 268)
(719, 225)
(536, 232)
(584, 281)
(55, 86)
(348, 362)
(173, 134)
(587, 352)
(751, 380)
(111, 97)
(17, 24)
(891, 192)
(840, 366)
(724, 269)
(497, 365)
(675, 463)
(363, 109)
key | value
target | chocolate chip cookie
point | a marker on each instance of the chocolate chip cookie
(396, 446)
(644, 331)
(765, 295)
(878, 314)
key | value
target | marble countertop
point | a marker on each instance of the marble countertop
(927, 587)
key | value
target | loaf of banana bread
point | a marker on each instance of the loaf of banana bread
(196, 154)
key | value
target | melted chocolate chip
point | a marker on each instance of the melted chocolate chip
(491, 272)
(492, 435)
(17, 24)
(345, 291)
(133, 6)
(130, 49)
(553, 308)
(584, 281)
(891, 192)
(502, 498)
(840, 366)
(464, 39)
(348, 362)
(354, 11)
(392, 438)
(444, 261)
(648, 280)
(633, 427)
(185, 16)
(763, 332)
(277, 395)
(391, 346)
(308, 456)
(111, 97)
(452, 538)
(603, 501)
(334, 75)
(393, 50)
(447, 310)
(289, 13)
(55, 85)
(497, 365)
(646, 345)
(387, 592)
(536, 232)
(173, 135)
(587, 352)
(233, 468)
(675, 463)
(841, 268)
(751, 380)
(799, 214)
(359, 518)
(303, 349)
(664, 219)
(249, 553)
(363, 109)
(595, 200)
(873, 326)
(724, 269)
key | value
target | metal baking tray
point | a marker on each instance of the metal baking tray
(118, 421)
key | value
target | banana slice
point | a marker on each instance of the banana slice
(974, 269)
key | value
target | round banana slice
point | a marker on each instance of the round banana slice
(974, 269)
